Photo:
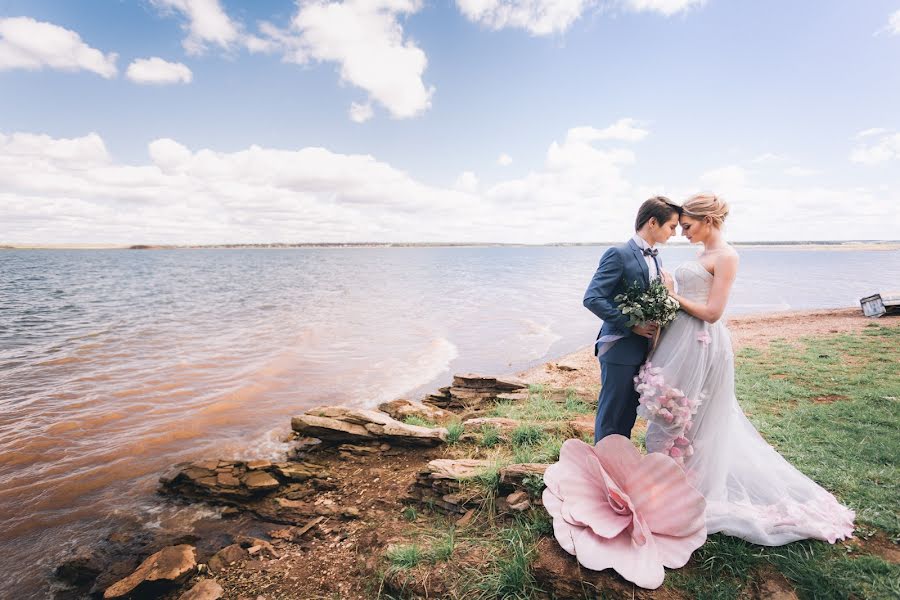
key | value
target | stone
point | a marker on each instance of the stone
(227, 480)
(294, 534)
(298, 471)
(81, 569)
(357, 425)
(513, 475)
(256, 545)
(441, 484)
(253, 465)
(460, 468)
(402, 408)
(466, 518)
(583, 426)
(259, 480)
(205, 589)
(518, 501)
(359, 450)
(171, 565)
(227, 556)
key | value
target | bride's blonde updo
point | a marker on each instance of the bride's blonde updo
(700, 206)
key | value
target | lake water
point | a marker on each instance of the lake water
(114, 364)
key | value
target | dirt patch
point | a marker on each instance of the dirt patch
(769, 584)
(828, 399)
(878, 545)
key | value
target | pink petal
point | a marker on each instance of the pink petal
(578, 474)
(618, 456)
(562, 530)
(663, 497)
(578, 481)
(638, 564)
(674, 552)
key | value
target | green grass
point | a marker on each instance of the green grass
(850, 445)
(414, 420)
(829, 405)
(543, 406)
(454, 432)
(490, 436)
(405, 556)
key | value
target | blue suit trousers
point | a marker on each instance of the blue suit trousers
(618, 401)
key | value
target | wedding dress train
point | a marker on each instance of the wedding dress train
(687, 395)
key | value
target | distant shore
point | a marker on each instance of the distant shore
(867, 245)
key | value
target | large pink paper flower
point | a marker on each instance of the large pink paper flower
(614, 508)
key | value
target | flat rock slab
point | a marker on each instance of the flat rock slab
(402, 408)
(357, 425)
(459, 468)
(514, 475)
(205, 589)
(171, 565)
(236, 482)
(473, 380)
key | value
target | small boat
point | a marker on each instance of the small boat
(885, 303)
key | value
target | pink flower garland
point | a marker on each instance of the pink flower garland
(669, 408)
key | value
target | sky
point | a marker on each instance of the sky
(515, 121)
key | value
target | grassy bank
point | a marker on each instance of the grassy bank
(830, 405)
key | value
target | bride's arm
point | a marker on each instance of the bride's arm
(726, 270)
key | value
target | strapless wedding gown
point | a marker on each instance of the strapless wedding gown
(687, 395)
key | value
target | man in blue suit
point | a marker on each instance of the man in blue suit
(622, 350)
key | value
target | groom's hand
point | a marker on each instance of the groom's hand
(646, 330)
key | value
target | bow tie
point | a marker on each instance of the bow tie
(650, 252)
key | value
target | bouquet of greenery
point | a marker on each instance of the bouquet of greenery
(642, 306)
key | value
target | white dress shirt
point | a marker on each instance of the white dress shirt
(651, 264)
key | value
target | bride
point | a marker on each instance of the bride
(687, 395)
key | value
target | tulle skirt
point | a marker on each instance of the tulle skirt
(752, 492)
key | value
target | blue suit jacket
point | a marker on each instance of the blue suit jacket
(619, 266)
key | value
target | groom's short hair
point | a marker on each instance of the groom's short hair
(657, 207)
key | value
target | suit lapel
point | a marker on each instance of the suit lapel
(639, 255)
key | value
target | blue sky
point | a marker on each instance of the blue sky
(788, 110)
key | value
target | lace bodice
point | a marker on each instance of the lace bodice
(694, 281)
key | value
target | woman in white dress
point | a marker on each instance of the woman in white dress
(687, 395)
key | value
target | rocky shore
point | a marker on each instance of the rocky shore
(320, 523)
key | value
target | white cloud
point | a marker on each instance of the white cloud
(72, 190)
(870, 132)
(33, 45)
(466, 182)
(504, 160)
(767, 158)
(800, 172)
(157, 71)
(360, 113)
(622, 130)
(366, 40)
(880, 146)
(538, 17)
(894, 23)
(725, 178)
(664, 7)
(208, 23)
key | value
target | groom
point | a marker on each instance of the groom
(621, 350)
